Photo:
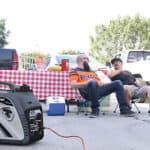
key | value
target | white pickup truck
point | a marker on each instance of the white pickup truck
(136, 61)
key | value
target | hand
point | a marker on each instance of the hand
(100, 83)
(125, 71)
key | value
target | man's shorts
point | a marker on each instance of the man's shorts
(140, 92)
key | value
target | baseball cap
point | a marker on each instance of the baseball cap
(115, 59)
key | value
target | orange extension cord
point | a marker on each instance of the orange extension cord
(72, 136)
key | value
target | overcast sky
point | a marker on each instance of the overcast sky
(53, 25)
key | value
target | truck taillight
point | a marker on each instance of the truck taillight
(15, 64)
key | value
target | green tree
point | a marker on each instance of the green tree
(70, 51)
(3, 33)
(121, 33)
(34, 54)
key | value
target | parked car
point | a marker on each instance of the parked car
(8, 59)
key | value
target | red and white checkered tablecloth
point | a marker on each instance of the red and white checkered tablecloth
(43, 83)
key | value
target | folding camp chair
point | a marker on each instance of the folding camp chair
(133, 101)
(135, 98)
(83, 104)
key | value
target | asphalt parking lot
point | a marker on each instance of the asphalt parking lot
(106, 132)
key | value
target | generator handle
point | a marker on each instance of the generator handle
(11, 86)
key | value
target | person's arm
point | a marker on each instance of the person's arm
(113, 73)
(73, 78)
(99, 81)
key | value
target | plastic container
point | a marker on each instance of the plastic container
(65, 64)
(55, 106)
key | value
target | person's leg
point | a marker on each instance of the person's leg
(144, 92)
(93, 92)
(117, 87)
(148, 96)
(90, 93)
(128, 96)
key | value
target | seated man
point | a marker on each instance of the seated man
(129, 81)
(92, 88)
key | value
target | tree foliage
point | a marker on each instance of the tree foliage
(3, 33)
(70, 51)
(121, 33)
(34, 54)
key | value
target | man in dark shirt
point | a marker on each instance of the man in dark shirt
(129, 81)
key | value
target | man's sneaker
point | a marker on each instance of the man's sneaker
(128, 113)
(94, 113)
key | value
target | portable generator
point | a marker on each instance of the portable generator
(21, 116)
